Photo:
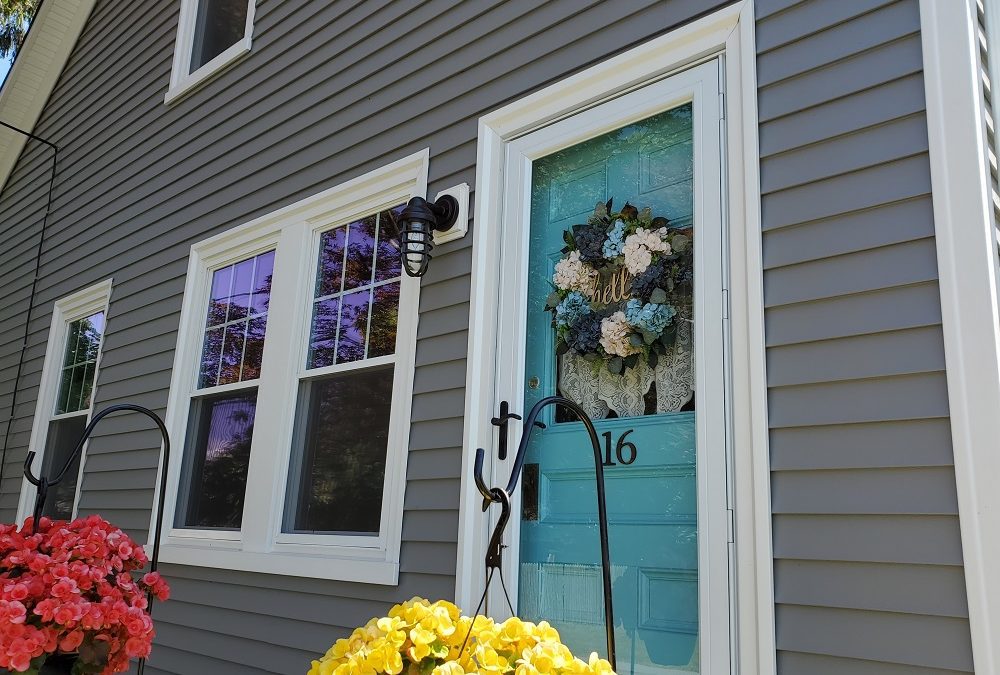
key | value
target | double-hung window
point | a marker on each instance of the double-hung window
(66, 394)
(291, 389)
(211, 35)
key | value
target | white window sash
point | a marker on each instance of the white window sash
(79, 305)
(184, 82)
(294, 234)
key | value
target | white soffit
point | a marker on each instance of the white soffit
(40, 61)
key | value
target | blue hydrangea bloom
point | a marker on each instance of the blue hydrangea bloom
(585, 335)
(615, 242)
(650, 317)
(572, 307)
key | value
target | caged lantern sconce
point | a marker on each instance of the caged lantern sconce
(422, 224)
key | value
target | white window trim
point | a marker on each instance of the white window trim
(66, 310)
(729, 31)
(183, 82)
(967, 278)
(294, 232)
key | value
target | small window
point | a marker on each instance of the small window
(292, 387)
(221, 424)
(220, 24)
(66, 395)
(211, 35)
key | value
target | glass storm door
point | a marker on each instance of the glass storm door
(624, 249)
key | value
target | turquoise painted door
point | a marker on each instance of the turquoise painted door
(646, 421)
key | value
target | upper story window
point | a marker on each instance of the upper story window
(211, 35)
(292, 386)
(65, 398)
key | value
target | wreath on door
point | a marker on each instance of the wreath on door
(622, 288)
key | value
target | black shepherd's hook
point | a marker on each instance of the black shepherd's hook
(502, 496)
(43, 483)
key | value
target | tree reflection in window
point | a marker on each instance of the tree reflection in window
(219, 457)
(236, 320)
(336, 483)
(355, 307)
(76, 381)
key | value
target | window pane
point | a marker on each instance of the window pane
(262, 283)
(387, 263)
(385, 313)
(60, 441)
(254, 350)
(329, 273)
(239, 304)
(217, 458)
(353, 326)
(360, 253)
(234, 342)
(336, 480)
(323, 339)
(220, 24)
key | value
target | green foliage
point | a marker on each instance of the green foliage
(15, 15)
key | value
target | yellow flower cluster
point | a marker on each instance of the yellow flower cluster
(421, 638)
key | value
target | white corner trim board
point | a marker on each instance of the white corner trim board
(966, 249)
(728, 32)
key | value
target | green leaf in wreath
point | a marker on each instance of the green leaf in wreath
(600, 211)
(654, 358)
(658, 296)
(646, 216)
(607, 207)
(561, 348)
(631, 360)
(591, 356)
(568, 238)
(635, 340)
(552, 300)
(649, 338)
(616, 365)
(668, 336)
(630, 212)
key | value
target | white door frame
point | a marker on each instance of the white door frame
(698, 85)
(729, 33)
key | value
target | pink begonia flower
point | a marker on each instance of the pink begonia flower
(71, 584)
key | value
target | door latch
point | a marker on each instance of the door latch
(501, 422)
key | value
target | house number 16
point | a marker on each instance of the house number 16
(625, 451)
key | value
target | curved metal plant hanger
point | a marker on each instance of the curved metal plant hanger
(43, 483)
(496, 495)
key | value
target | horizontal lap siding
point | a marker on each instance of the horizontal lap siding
(868, 559)
(330, 90)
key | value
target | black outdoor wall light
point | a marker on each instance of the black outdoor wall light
(417, 224)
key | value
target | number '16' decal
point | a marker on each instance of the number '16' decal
(625, 451)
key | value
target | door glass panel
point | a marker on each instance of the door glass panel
(610, 325)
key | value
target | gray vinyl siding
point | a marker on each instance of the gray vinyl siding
(330, 90)
(868, 560)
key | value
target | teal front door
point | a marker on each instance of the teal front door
(611, 323)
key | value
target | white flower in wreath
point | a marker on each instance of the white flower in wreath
(572, 274)
(614, 336)
(640, 246)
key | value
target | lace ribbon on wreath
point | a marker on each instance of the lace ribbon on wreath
(625, 394)
(675, 372)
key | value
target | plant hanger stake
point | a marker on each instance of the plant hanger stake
(494, 551)
(43, 483)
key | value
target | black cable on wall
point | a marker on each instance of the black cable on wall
(34, 287)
